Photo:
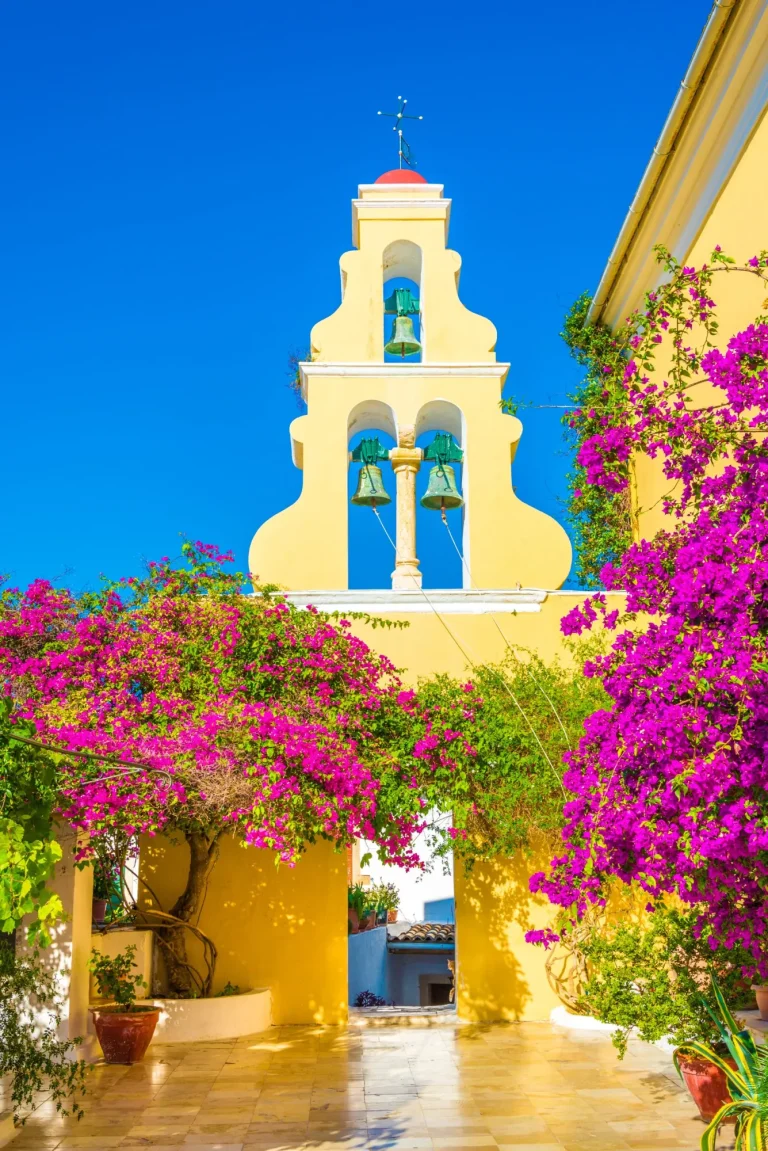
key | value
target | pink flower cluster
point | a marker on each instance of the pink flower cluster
(670, 783)
(239, 710)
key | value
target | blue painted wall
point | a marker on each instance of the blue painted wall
(405, 969)
(439, 911)
(367, 970)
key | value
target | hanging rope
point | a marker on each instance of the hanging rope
(474, 663)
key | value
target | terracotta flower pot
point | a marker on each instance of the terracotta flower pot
(761, 995)
(98, 910)
(352, 921)
(124, 1035)
(392, 915)
(706, 1083)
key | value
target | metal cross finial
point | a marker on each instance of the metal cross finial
(404, 152)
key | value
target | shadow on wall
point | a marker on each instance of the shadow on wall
(68, 955)
(283, 927)
(500, 976)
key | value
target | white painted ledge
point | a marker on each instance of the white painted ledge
(193, 1020)
(381, 191)
(562, 1017)
(225, 1017)
(430, 370)
(406, 601)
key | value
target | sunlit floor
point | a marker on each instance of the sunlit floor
(510, 1086)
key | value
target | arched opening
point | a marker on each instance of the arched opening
(439, 549)
(402, 931)
(404, 334)
(371, 556)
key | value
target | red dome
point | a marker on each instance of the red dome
(401, 176)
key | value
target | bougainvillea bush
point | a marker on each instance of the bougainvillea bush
(217, 712)
(670, 781)
(512, 724)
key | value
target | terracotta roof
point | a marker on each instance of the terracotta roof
(427, 933)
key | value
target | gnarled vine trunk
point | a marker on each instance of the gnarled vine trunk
(184, 979)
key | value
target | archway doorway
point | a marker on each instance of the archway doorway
(402, 954)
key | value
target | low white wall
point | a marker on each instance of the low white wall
(195, 1020)
(225, 1017)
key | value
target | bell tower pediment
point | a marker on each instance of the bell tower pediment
(401, 231)
(402, 356)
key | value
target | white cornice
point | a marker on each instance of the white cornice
(405, 371)
(387, 205)
(382, 189)
(448, 601)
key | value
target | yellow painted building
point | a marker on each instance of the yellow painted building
(515, 556)
(706, 184)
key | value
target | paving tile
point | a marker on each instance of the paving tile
(395, 1089)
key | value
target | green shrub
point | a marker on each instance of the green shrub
(31, 1054)
(655, 976)
(113, 977)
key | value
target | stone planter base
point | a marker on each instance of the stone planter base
(228, 1017)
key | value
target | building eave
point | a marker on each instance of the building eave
(720, 102)
(412, 947)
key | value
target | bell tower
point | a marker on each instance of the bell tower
(400, 231)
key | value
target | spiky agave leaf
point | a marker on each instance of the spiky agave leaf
(709, 1137)
(740, 1044)
(752, 1132)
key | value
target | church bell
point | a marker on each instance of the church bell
(441, 492)
(403, 340)
(371, 492)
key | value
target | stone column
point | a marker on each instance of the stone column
(67, 957)
(406, 462)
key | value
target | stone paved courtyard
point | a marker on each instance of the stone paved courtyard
(398, 1086)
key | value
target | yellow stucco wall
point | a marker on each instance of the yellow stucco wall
(278, 927)
(738, 222)
(499, 975)
(432, 644)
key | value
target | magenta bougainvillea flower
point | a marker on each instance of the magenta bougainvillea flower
(241, 711)
(669, 784)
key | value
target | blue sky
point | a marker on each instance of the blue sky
(174, 199)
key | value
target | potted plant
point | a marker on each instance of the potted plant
(652, 978)
(124, 1027)
(761, 995)
(745, 1071)
(386, 899)
(102, 892)
(356, 904)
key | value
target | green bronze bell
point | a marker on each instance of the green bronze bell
(441, 492)
(403, 340)
(371, 492)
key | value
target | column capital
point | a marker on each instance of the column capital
(406, 458)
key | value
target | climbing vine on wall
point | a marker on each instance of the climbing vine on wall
(600, 520)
